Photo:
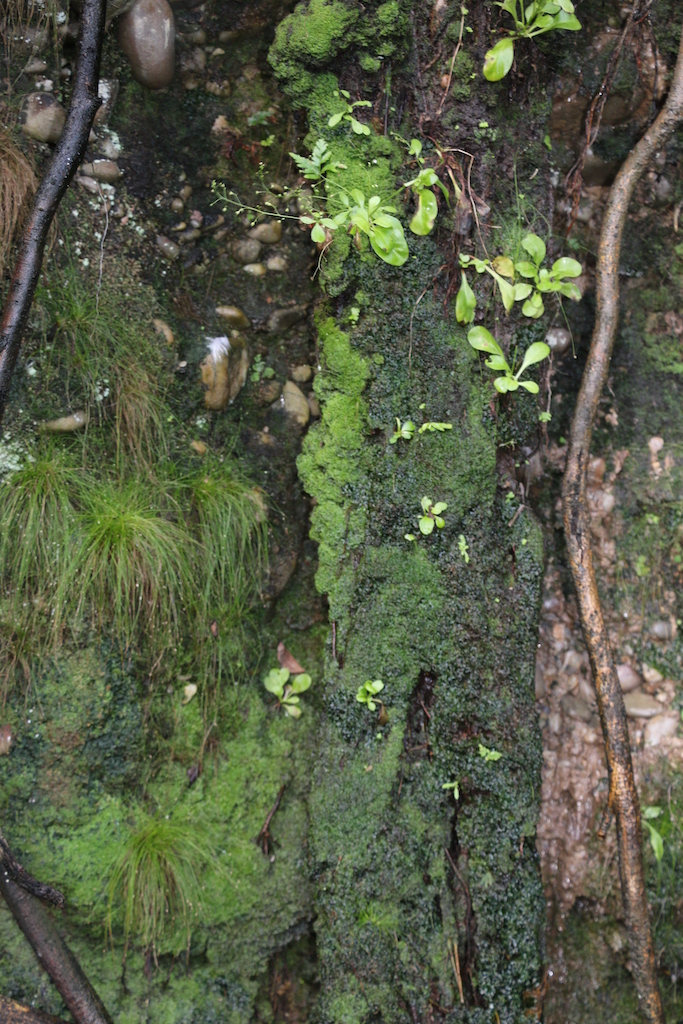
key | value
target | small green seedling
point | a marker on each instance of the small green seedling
(489, 754)
(431, 515)
(532, 20)
(278, 683)
(367, 694)
(656, 841)
(354, 314)
(259, 370)
(481, 339)
(463, 548)
(545, 417)
(413, 539)
(347, 113)
(455, 787)
(318, 164)
(544, 280)
(434, 428)
(404, 431)
(500, 268)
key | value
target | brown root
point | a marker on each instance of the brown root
(623, 796)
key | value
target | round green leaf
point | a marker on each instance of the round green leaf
(567, 267)
(426, 525)
(425, 215)
(318, 233)
(483, 341)
(390, 243)
(498, 60)
(292, 710)
(275, 681)
(535, 246)
(504, 384)
(301, 683)
(334, 120)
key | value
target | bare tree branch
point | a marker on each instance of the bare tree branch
(60, 171)
(12, 1012)
(11, 866)
(623, 796)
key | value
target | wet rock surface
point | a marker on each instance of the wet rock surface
(146, 34)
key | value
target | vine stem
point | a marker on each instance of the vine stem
(623, 796)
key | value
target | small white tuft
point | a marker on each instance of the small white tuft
(218, 347)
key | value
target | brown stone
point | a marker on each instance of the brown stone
(43, 117)
(224, 370)
(147, 37)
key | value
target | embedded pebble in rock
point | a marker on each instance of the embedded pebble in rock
(89, 184)
(102, 170)
(283, 319)
(575, 707)
(43, 117)
(662, 630)
(227, 36)
(596, 472)
(539, 681)
(314, 406)
(193, 63)
(641, 705)
(302, 373)
(5, 739)
(107, 90)
(147, 37)
(246, 251)
(110, 149)
(177, 205)
(558, 340)
(224, 370)
(660, 727)
(652, 676)
(629, 679)
(255, 269)
(35, 66)
(170, 250)
(295, 403)
(65, 424)
(267, 392)
(270, 233)
(162, 328)
(278, 264)
(222, 89)
(663, 192)
(185, 192)
(587, 691)
(190, 235)
(198, 37)
(234, 316)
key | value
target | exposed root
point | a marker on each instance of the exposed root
(623, 801)
(17, 186)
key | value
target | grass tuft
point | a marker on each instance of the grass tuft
(17, 186)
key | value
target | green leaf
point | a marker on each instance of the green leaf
(440, 507)
(504, 265)
(390, 243)
(275, 681)
(301, 683)
(374, 686)
(498, 363)
(498, 60)
(318, 233)
(532, 308)
(426, 503)
(465, 303)
(566, 21)
(373, 203)
(372, 705)
(522, 291)
(570, 291)
(362, 696)
(415, 147)
(358, 128)
(507, 292)
(489, 754)
(292, 710)
(425, 215)
(530, 386)
(358, 196)
(334, 120)
(656, 841)
(651, 812)
(526, 269)
(535, 246)
(567, 267)
(439, 522)
(483, 341)
(535, 353)
(504, 384)
(426, 525)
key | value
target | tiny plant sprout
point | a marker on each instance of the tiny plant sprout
(434, 428)
(431, 516)
(287, 688)
(413, 539)
(463, 548)
(482, 340)
(366, 695)
(455, 787)
(489, 754)
(403, 431)
(347, 113)
(656, 841)
(544, 280)
(530, 20)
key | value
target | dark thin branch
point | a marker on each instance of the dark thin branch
(68, 154)
(623, 796)
(16, 872)
(263, 838)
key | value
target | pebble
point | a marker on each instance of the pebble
(277, 264)
(282, 319)
(161, 327)
(641, 705)
(268, 391)
(575, 707)
(199, 447)
(295, 403)
(170, 250)
(314, 406)
(110, 149)
(5, 739)
(662, 630)
(107, 90)
(234, 316)
(43, 117)
(89, 184)
(629, 679)
(255, 269)
(246, 251)
(224, 370)
(35, 66)
(65, 424)
(102, 170)
(185, 192)
(194, 61)
(222, 89)
(558, 340)
(198, 37)
(190, 235)
(177, 205)
(652, 676)
(587, 691)
(660, 727)
(596, 472)
(663, 192)
(147, 37)
(302, 373)
(227, 36)
(270, 233)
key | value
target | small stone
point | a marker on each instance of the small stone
(191, 82)
(222, 89)
(629, 679)
(641, 705)
(147, 37)
(227, 36)
(660, 727)
(267, 392)
(295, 403)
(269, 233)
(282, 319)
(103, 170)
(196, 218)
(5, 739)
(246, 251)
(587, 690)
(193, 62)
(161, 327)
(108, 91)
(198, 37)
(43, 117)
(651, 675)
(170, 250)
(66, 424)
(314, 406)
(558, 340)
(89, 184)
(302, 373)
(110, 149)
(35, 66)
(224, 370)
(255, 269)
(596, 472)
(575, 707)
(662, 192)
(199, 447)
(235, 317)
(177, 205)
(278, 264)
(655, 444)
(662, 630)
(185, 192)
(189, 235)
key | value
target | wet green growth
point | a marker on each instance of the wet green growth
(278, 683)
